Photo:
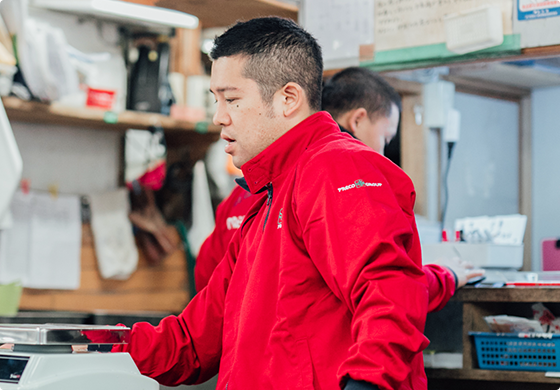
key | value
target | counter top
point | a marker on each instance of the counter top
(507, 294)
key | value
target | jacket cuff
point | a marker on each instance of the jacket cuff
(454, 277)
(359, 385)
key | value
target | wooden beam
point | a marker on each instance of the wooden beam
(280, 5)
(488, 89)
(404, 87)
(330, 73)
(542, 52)
(221, 13)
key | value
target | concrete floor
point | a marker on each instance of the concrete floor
(209, 385)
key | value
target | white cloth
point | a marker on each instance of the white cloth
(117, 255)
(43, 247)
(202, 211)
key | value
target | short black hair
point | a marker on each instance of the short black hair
(278, 51)
(353, 88)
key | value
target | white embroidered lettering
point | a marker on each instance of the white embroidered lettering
(234, 222)
(358, 184)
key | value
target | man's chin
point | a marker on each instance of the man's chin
(237, 162)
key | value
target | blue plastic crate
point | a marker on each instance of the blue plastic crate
(517, 351)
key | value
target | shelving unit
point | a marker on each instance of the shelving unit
(478, 303)
(35, 112)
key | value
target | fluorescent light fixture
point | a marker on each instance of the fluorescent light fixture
(123, 11)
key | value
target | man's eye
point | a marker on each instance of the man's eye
(230, 100)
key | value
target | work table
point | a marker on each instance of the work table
(472, 304)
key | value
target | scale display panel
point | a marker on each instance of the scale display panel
(11, 368)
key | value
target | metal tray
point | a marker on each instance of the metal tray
(63, 334)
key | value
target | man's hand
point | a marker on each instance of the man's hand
(464, 270)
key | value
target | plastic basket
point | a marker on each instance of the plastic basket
(517, 351)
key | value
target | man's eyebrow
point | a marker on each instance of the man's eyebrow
(223, 89)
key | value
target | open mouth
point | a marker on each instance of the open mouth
(230, 143)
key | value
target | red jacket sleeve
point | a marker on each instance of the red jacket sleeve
(229, 215)
(184, 349)
(359, 238)
(441, 286)
(210, 254)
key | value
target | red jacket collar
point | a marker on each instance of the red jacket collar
(283, 153)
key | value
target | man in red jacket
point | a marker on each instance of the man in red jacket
(368, 108)
(321, 286)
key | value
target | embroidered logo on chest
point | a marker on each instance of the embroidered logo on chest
(358, 184)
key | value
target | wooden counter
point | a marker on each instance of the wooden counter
(476, 304)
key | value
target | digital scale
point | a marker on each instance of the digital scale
(43, 358)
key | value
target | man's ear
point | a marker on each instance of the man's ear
(355, 118)
(293, 98)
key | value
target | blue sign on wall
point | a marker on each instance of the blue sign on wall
(537, 9)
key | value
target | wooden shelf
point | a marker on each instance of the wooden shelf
(35, 112)
(491, 375)
(508, 294)
(476, 304)
(222, 13)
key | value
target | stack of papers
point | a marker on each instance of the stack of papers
(500, 230)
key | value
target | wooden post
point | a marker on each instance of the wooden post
(185, 52)
(413, 151)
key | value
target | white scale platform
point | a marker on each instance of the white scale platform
(42, 358)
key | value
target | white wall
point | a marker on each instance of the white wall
(546, 168)
(79, 161)
(484, 172)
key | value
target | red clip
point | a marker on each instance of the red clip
(25, 186)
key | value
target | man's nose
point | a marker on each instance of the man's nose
(221, 117)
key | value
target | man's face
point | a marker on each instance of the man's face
(379, 131)
(249, 125)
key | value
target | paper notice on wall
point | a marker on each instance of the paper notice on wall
(342, 27)
(411, 23)
(56, 237)
(42, 249)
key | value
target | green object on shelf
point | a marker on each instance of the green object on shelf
(438, 55)
(10, 295)
(111, 117)
(201, 127)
